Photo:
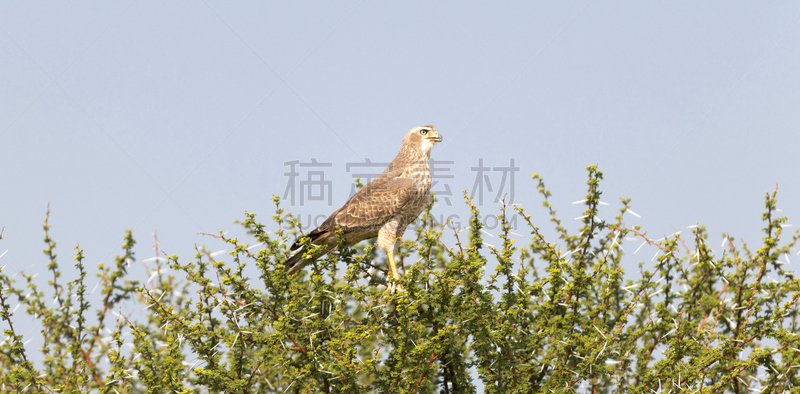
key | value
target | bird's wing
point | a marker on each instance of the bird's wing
(373, 205)
(383, 198)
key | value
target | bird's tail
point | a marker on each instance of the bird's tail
(296, 263)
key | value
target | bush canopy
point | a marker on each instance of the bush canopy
(547, 316)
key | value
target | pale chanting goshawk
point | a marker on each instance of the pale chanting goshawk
(384, 207)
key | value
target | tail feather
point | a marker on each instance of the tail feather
(296, 263)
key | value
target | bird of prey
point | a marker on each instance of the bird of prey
(383, 207)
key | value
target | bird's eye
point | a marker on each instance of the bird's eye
(423, 131)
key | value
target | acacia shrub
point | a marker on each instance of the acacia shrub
(557, 315)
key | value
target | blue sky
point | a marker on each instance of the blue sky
(180, 116)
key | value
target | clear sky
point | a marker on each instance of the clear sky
(180, 116)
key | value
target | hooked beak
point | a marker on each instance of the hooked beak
(438, 138)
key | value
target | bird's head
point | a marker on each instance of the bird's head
(422, 139)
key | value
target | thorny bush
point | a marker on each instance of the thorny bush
(550, 316)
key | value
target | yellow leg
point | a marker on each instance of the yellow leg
(393, 269)
(392, 266)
